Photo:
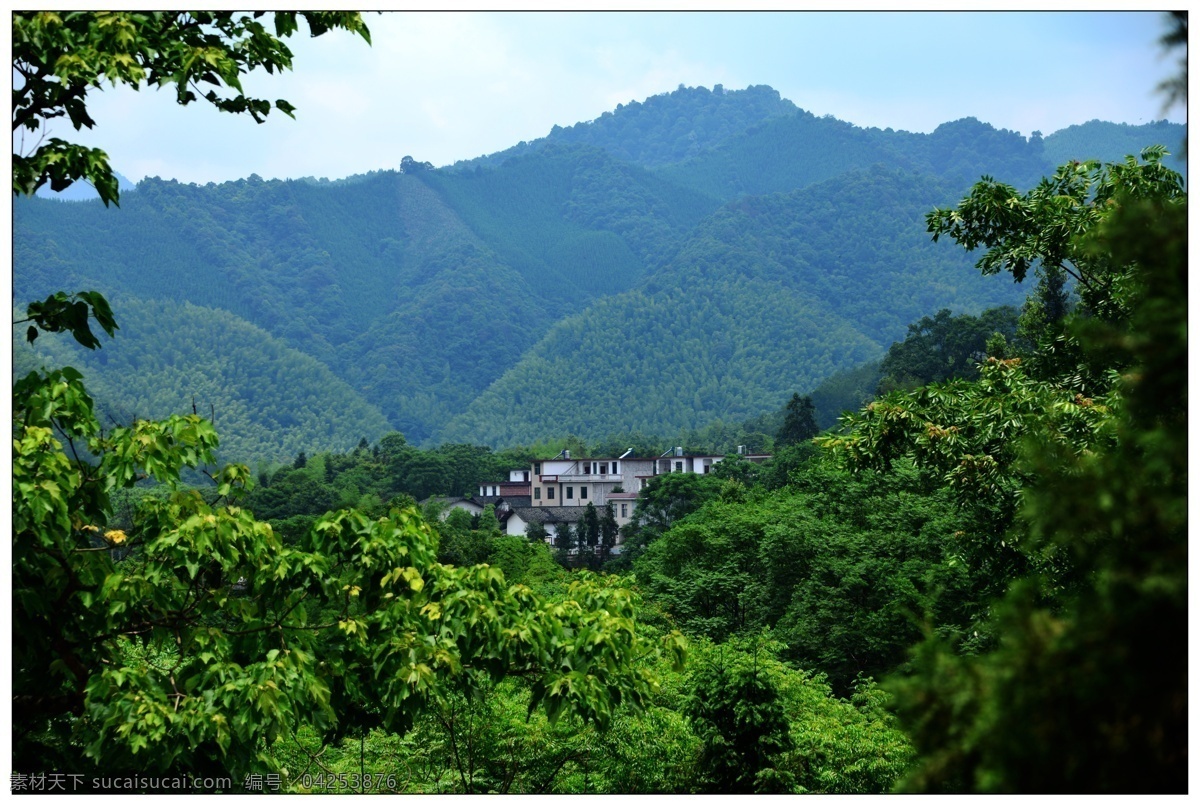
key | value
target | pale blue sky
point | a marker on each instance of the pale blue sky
(444, 86)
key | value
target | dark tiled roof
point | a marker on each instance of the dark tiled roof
(550, 514)
(496, 500)
(445, 500)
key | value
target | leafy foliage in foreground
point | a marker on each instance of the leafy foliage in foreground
(60, 58)
(196, 639)
(491, 743)
(1085, 687)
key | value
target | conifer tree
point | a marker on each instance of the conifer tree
(800, 421)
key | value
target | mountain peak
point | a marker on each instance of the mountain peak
(662, 129)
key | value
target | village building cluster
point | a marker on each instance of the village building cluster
(557, 491)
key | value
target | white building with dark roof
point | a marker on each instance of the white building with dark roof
(558, 490)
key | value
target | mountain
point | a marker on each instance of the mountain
(789, 152)
(771, 295)
(268, 401)
(1111, 142)
(417, 289)
(663, 129)
(83, 191)
(696, 256)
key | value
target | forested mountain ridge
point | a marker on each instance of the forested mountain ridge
(1111, 142)
(573, 220)
(422, 290)
(793, 151)
(663, 129)
(219, 362)
(383, 279)
(771, 294)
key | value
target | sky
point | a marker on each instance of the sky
(445, 86)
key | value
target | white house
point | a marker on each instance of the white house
(558, 490)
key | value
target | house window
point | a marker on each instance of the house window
(604, 469)
(537, 469)
(583, 493)
(624, 510)
(526, 474)
(537, 493)
(570, 492)
(550, 493)
(678, 466)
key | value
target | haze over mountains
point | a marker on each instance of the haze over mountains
(696, 257)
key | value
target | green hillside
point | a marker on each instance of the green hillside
(269, 401)
(1111, 142)
(790, 152)
(598, 264)
(665, 128)
(773, 294)
(574, 221)
(419, 290)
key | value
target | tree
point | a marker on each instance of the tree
(799, 422)
(410, 165)
(566, 543)
(536, 532)
(1088, 689)
(736, 710)
(460, 541)
(488, 523)
(1085, 689)
(667, 498)
(193, 637)
(1047, 229)
(58, 58)
(589, 527)
(738, 468)
(608, 532)
(943, 346)
(207, 635)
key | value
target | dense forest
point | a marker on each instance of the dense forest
(963, 568)
(621, 274)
